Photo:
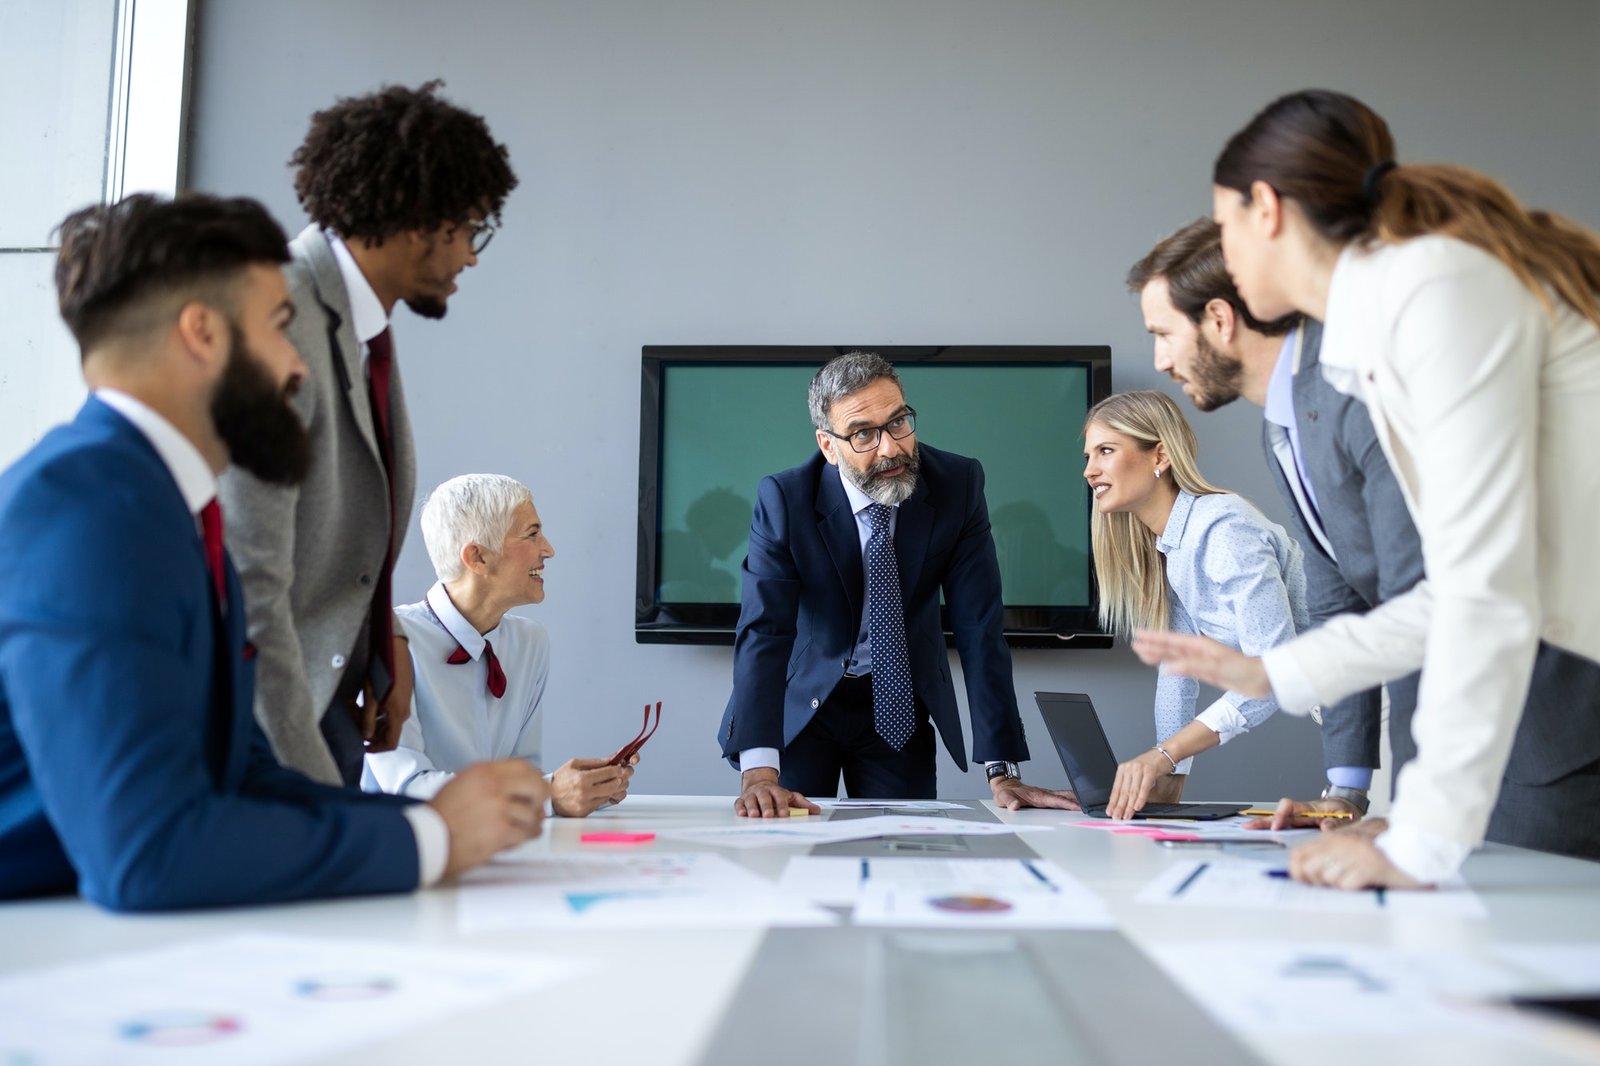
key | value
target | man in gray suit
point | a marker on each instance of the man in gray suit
(1360, 546)
(403, 190)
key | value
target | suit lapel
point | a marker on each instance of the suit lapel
(232, 692)
(343, 347)
(1283, 452)
(913, 528)
(837, 525)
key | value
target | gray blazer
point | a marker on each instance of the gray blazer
(310, 556)
(1362, 517)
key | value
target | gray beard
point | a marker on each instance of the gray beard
(891, 492)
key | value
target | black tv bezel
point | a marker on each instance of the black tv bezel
(714, 623)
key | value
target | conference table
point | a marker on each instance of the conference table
(815, 994)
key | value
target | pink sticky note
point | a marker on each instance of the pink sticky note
(616, 838)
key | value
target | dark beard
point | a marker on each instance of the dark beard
(1215, 377)
(889, 491)
(427, 306)
(253, 417)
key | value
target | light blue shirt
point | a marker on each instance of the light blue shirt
(1239, 579)
(455, 721)
(1280, 406)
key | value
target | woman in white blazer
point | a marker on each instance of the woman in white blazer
(1470, 326)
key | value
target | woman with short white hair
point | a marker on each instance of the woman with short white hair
(481, 672)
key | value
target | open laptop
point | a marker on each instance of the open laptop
(1091, 767)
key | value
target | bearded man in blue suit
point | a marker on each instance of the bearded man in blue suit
(131, 765)
(839, 664)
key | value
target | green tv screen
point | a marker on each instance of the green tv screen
(724, 424)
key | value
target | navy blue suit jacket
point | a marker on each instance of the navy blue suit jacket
(802, 598)
(123, 771)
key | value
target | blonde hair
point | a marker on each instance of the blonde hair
(1131, 571)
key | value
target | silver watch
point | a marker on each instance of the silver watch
(1002, 769)
(1356, 797)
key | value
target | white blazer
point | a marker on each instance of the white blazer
(1485, 402)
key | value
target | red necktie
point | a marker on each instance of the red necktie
(211, 530)
(380, 361)
(497, 676)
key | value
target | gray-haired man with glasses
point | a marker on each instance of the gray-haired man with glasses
(839, 663)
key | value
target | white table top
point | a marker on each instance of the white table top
(657, 996)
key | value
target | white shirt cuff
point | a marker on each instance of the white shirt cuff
(433, 843)
(1223, 719)
(1290, 685)
(1424, 856)
(756, 758)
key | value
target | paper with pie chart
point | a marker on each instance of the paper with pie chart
(251, 999)
(965, 893)
(650, 890)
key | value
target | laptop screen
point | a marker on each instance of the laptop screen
(1081, 742)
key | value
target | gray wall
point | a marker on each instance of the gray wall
(900, 171)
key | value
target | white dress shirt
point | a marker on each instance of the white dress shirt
(861, 657)
(455, 720)
(1483, 401)
(198, 486)
(366, 310)
(1235, 577)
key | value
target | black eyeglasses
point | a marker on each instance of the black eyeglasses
(866, 439)
(479, 234)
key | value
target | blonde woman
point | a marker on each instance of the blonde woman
(1470, 326)
(1172, 551)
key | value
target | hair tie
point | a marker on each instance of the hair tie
(1369, 184)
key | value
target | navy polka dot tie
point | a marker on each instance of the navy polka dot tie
(892, 705)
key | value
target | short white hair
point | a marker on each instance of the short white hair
(469, 509)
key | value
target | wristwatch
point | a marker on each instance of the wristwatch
(1002, 769)
(1356, 797)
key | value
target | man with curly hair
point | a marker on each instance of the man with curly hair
(404, 190)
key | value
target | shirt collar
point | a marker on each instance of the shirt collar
(1345, 289)
(184, 462)
(859, 501)
(1172, 537)
(366, 310)
(1279, 408)
(455, 623)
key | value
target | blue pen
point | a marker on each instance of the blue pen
(1034, 870)
(1191, 879)
(1284, 875)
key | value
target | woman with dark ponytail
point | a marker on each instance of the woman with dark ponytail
(1470, 326)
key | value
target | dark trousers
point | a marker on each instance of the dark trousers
(338, 727)
(1559, 816)
(841, 739)
(1550, 795)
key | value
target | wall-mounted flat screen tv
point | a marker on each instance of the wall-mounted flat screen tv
(715, 420)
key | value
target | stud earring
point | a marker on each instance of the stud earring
(1158, 472)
